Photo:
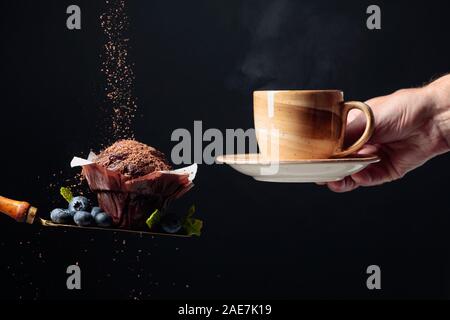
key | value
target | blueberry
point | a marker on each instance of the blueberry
(61, 216)
(171, 225)
(83, 219)
(95, 211)
(79, 204)
(103, 220)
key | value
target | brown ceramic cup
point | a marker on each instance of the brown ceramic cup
(299, 125)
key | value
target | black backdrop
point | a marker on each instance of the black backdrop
(200, 60)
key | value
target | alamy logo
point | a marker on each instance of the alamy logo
(203, 146)
(190, 148)
(74, 20)
(374, 20)
(374, 280)
(74, 280)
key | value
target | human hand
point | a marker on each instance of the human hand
(411, 127)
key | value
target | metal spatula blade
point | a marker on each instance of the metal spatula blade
(47, 223)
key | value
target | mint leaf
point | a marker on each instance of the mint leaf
(193, 227)
(66, 193)
(191, 212)
(154, 219)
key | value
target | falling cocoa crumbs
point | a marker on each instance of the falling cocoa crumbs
(121, 103)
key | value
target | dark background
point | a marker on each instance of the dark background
(200, 60)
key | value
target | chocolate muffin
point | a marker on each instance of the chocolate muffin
(131, 180)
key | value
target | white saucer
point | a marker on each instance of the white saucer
(297, 171)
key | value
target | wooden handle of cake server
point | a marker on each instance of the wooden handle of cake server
(20, 211)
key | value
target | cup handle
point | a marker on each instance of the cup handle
(370, 121)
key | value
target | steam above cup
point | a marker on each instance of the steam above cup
(306, 124)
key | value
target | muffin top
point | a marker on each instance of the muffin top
(132, 158)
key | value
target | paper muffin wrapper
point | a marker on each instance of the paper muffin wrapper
(131, 201)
